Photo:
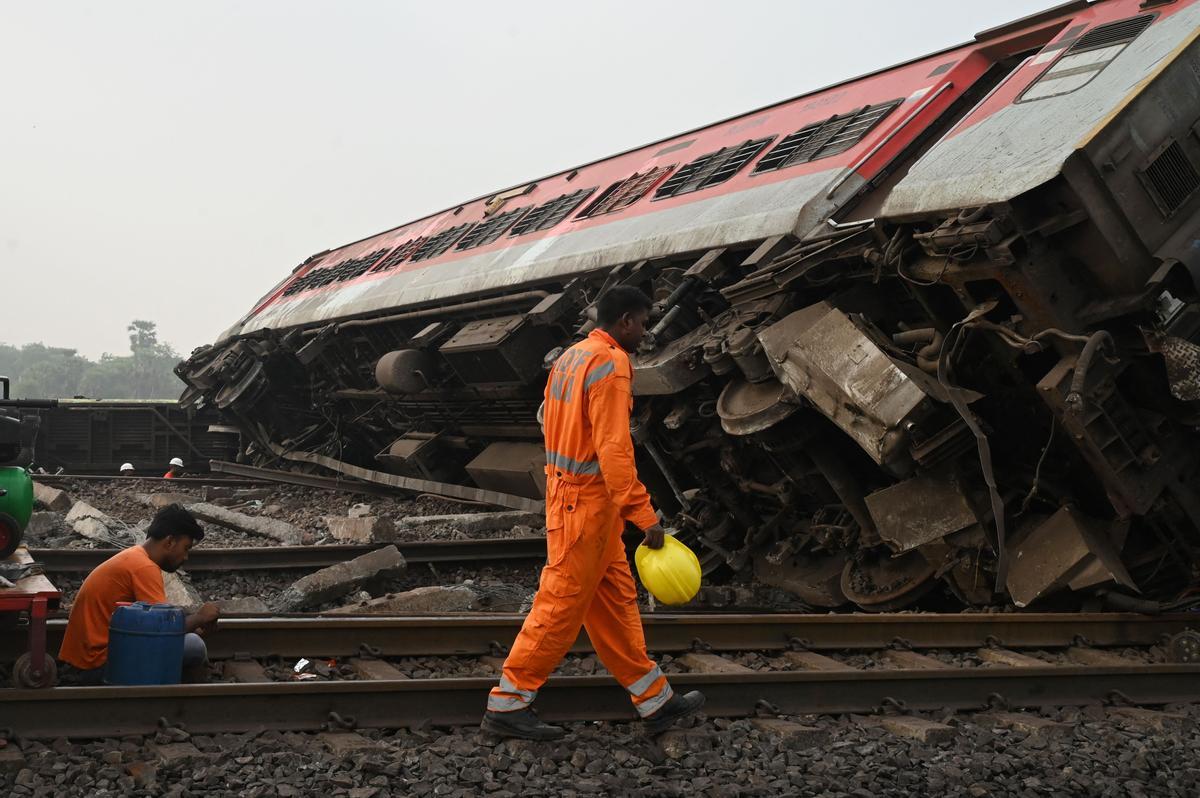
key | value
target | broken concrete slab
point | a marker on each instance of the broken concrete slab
(359, 511)
(272, 528)
(338, 580)
(474, 522)
(361, 529)
(418, 601)
(160, 500)
(54, 499)
(91, 523)
(243, 605)
(180, 592)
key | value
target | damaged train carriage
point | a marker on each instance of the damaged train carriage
(935, 327)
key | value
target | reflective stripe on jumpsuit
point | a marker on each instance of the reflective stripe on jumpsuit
(592, 489)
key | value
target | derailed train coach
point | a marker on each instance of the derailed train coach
(934, 328)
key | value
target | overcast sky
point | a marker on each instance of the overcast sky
(172, 162)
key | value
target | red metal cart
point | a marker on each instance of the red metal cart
(30, 601)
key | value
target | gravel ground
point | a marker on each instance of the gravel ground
(846, 757)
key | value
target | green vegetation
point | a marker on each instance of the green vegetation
(48, 372)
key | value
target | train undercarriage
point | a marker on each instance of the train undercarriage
(959, 404)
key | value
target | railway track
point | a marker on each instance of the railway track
(818, 684)
(269, 558)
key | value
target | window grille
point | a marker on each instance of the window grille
(826, 138)
(398, 255)
(491, 229)
(437, 244)
(550, 213)
(623, 193)
(711, 169)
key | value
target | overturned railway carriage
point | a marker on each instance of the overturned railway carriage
(935, 327)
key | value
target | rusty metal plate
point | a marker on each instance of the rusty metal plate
(1057, 552)
(822, 356)
(920, 510)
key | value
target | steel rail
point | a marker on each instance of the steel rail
(215, 481)
(267, 558)
(478, 634)
(115, 711)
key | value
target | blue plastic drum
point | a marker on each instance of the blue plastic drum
(145, 644)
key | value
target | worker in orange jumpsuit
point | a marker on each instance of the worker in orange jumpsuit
(174, 469)
(592, 490)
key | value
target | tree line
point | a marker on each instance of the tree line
(38, 371)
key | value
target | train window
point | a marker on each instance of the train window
(398, 255)
(1084, 59)
(437, 244)
(340, 272)
(711, 169)
(551, 212)
(489, 230)
(826, 138)
(625, 192)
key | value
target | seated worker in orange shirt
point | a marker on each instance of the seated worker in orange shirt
(135, 574)
(174, 469)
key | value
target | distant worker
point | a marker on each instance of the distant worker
(135, 574)
(126, 469)
(175, 470)
(592, 489)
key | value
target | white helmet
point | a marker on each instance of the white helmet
(126, 467)
(175, 461)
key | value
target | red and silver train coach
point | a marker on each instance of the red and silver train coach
(930, 329)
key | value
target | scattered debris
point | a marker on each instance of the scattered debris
(338, 580)
(272, 528)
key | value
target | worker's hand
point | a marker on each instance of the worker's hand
(654, 537)
(206, 617)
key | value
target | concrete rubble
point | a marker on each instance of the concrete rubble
(467, 596)
(338, 580)
(180, 592)
(89, 522)
(53, 498)
(361, 529)
(471, 523)
(421, 600)
(272, 528)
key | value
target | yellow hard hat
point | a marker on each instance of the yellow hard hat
(671, 574)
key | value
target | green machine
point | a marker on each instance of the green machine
(17, 435)
(16, 505)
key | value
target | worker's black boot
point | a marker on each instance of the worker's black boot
(522, 723)
(677, 706)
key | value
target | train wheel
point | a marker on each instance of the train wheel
(10, 535)
(882, 583)
(23, 676)
(1185, 647)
